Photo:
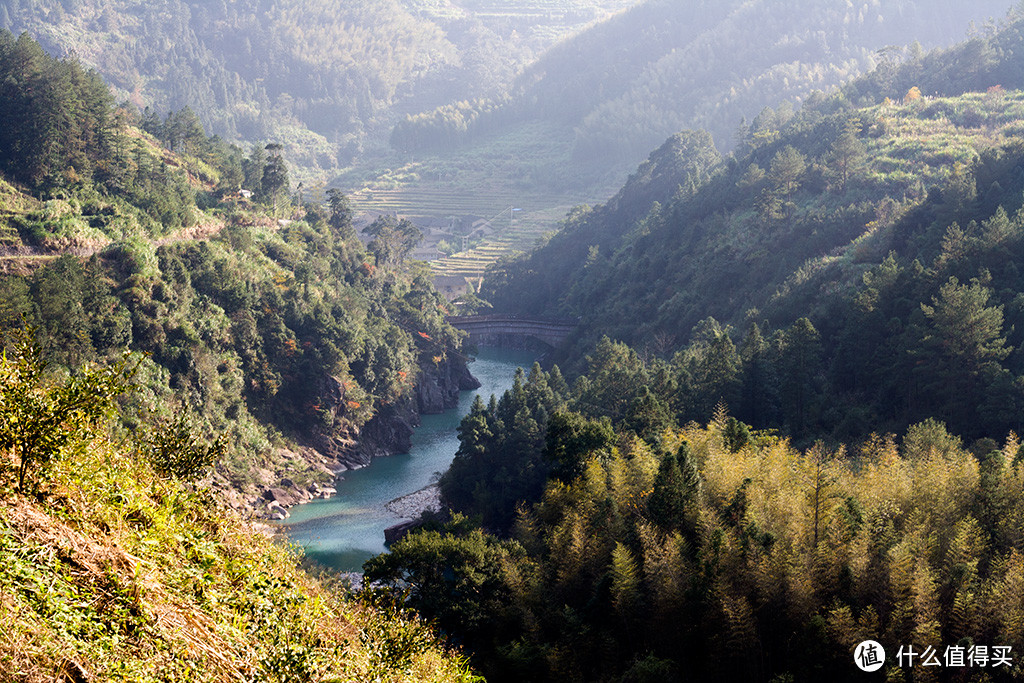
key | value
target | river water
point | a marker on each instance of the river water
(345, 531)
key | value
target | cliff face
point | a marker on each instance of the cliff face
(439, 385)
(334, 446)
(390, 430)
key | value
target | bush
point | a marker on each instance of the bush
(41, 418)
(177, 450)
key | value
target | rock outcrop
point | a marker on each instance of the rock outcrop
(439, 385)
(334, 446)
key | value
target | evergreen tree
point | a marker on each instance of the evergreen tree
(676, 488)
(758, 392)
(341, 214)
(274, 181)
(570, 439)
(648, 416)
(787, 168)
(961, 347)
(801, 366)
(847, 154)
(252, 168)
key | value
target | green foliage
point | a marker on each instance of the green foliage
(841, 254)
(500, 463)
(274, 179)
(261, 331)
(341, 214)
(393, 239)
(178, 450)
(571, 439)
(672, 502)
(457, 576)
(713, 561)
(57, 117)
(736, 435)
(131, 576)
(43, 418)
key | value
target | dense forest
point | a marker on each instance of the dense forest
(315, 76)
(789, 419)
(656, 552)
(115, 565)
(279, 333)
(179, 332)
(885, 236)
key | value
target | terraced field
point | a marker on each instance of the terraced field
(503, 234)
(528, 168)
(433, 201)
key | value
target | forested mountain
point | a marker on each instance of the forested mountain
(884, 228)
(280, 333)
(114, 565)
(810, 438)
(314, 75)
(170, 348)
(789, 419)
(623, 86)
(658, 553)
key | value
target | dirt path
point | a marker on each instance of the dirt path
(23, 259)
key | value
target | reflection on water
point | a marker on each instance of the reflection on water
(347, 530)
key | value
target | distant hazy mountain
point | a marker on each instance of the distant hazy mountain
(316, 75)
(859, 218)
(625, 85)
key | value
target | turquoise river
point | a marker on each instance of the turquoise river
(348, 529)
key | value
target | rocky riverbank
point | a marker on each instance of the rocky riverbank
(411, 506)
(303, 473)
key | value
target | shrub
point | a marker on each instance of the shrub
(177, 449)
(42, 418)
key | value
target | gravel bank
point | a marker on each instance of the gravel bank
(413, 505)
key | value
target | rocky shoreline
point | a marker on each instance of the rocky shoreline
(413, 505)
(329, 453)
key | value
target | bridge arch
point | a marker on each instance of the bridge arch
(551, 332)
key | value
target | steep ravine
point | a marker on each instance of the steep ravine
(326, 453)
(346, 530)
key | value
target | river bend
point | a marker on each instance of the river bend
(345, 531)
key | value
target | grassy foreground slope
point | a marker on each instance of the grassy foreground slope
(112, 570)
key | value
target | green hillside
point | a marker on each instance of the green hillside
(590, 108)
(322, 79)
(170, 350)
(879, 225)
(624, 85)
(286, 335)
(112, 567)
(807, 436)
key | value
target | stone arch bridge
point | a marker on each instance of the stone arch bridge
(551, 332)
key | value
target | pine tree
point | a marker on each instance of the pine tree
(625, 588)
(341, 214)
(962, 344)
(676, 488)
(787, 167)
(274, 181)
(847, 154)
(800, 365)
